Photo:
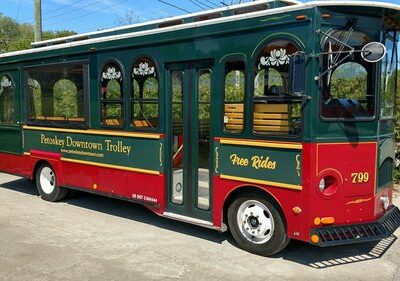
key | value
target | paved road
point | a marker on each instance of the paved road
(95, 238)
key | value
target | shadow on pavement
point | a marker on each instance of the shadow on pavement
(297, 251)
(319, 258)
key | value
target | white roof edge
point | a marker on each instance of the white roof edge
(378, 4)
(198, 24)
(71, 37)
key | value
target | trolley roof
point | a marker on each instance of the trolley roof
(215, 16)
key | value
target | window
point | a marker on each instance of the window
(347, 85)
(389, 76)
(111, 95)
(234, 96)
(203, 153)
(144, 99)
(56, 94)
(7, 99)
(276, 110)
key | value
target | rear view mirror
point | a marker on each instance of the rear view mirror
(373, 52)
(297, 69)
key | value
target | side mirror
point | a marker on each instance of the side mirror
(373, 52)
(297, 75)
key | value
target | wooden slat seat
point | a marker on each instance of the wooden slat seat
(112, 122)
(271, 118)
(234, 116)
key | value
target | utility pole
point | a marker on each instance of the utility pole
(38, 20)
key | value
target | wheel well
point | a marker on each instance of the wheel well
(37, 166)
(250, 190)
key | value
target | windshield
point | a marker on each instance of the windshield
(348, 86)
(389, 73)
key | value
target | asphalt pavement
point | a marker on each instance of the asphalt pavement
(90, 237)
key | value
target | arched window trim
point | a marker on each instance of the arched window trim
(224, 62)
(276, 59)
(6, 81)
(107, 74)
(141, 70)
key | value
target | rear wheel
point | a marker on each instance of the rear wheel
(257, 225)
(46, 183)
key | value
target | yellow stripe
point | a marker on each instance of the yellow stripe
(276, 184)
(262, 144)
(144, 171)
(97, 132)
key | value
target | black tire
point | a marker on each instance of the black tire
(46, 184)
(277, 240)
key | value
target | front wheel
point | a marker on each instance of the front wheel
(257, 225)
(46, 183)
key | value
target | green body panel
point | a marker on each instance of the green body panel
(10, 139)
(129, 152)
(277, 165)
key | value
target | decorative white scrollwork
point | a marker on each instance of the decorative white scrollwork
(277, 57)
(111, 73)
(5, 82)
(144, 70)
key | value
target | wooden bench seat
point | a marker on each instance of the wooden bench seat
(271, 118)
(267, 118)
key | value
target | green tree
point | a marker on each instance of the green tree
(16, 36)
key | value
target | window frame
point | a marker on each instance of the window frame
(131, 98)
(372, 82)
(86, 97)
(101, 101)
(224, 62)
(14, 87)
(254, 63)
(385, 37)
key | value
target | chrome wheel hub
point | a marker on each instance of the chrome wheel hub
(255, 221)
(47, 180)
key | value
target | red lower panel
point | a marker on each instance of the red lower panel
(353, 166)
(287, 199)
(149, 189)
(145, 188)
(16, 164)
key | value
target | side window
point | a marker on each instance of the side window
(234, 92)
(112, 95)
(389, 73)
(56, 94)
(144, 100)
(7, 99)
(347, 86)
(275, 110)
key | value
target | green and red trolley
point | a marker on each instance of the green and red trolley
(274, 119)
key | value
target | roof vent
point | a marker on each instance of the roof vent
(251, 9)
(207, 17)
(170, 23)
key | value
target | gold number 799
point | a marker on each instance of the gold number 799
(360, 177)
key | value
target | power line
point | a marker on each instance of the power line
(91, 12)
(212, 3)
(77, 9)
(205, 5)
(197, 4)
(52, 10)
(19, 6)
(176, 7)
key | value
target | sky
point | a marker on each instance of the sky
(90, 15)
